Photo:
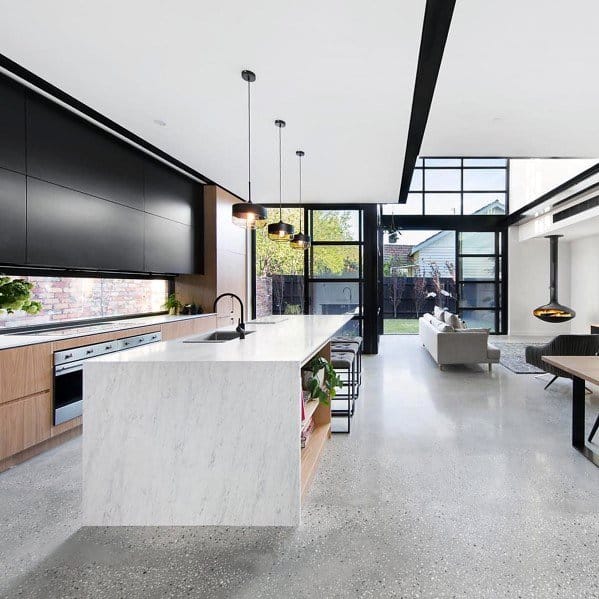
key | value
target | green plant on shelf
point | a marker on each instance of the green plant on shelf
(326, 390)
(15, 294)
(172, 304)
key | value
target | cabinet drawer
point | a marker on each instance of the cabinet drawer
(24, 423)
(25, 371)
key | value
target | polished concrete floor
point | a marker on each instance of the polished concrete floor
(451, 484)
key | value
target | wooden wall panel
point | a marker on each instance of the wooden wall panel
(225, 257)
(25, 371)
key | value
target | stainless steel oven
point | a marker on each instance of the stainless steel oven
(68, 372)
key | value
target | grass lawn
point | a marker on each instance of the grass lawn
(400, 326)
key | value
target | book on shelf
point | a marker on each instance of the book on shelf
(307, 429)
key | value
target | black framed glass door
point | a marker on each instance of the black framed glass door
(335, 271)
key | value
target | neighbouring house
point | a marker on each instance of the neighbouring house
(439, 251)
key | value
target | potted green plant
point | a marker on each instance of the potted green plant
(172, 304)
(15, 294)
(321, 380)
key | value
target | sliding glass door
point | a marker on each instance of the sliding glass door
(460, 271)
(326, 279)
(335, 273)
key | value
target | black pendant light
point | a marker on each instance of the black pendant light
(280, 231)
(300, 241)
(553, 311)
(246, 214)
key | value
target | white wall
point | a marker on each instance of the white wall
(528, 284)
(532, 177)
(584, 283)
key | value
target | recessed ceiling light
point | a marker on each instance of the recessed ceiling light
(159, 122)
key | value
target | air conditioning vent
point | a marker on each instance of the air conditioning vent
(577, 209)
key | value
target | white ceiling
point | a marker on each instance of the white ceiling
(341, 73)
(518, 78)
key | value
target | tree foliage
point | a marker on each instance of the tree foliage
(328, 225)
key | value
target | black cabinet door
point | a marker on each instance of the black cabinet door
(64, 149)
(170, 194)
(170, 247)
(69, 229)
(13, 210)
(12, 126)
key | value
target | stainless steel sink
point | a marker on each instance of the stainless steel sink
(216, 337)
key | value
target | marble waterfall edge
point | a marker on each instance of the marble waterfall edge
(191, 443)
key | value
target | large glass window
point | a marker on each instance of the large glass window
(77, 298)
(456, 186)
(336, 277)
(456, 270)
(279, 270)
(327, 279)
(479, 280)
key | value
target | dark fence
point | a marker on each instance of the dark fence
(403, 297)
(287, 293)
(406, 297)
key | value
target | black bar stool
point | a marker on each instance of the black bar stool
(344, 363)
(357, 341)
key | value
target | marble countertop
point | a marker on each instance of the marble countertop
(10, 340)
(289, 339)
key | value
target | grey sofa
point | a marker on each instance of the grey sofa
(562, 345)
(456, 346)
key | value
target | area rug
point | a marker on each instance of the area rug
(513, 356)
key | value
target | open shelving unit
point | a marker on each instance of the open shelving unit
(310, 454)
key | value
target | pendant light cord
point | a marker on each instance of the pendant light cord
(280, 180)
(300, 190)
(249, 147)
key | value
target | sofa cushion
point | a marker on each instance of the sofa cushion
(441, 327)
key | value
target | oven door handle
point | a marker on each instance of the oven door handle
(66, 368)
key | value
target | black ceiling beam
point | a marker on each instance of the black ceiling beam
(435, 28)
(467, 222)
(37, 83)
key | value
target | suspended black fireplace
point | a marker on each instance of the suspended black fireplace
(553, 311)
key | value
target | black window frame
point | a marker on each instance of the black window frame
(423, 167)
(309, 258)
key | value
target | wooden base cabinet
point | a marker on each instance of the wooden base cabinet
(24, 422)
(26, 389)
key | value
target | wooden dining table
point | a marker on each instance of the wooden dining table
(581, 368)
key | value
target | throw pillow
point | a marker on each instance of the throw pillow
(454, 321)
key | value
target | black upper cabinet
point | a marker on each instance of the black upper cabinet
(12, 217)
(72, 230)
(169, 194)
(12, 126)
(170, 247)
(64, 149)
(74, 196)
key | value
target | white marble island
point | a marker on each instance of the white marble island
(202, 434)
